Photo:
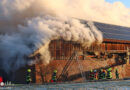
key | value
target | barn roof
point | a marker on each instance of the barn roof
(113, 31)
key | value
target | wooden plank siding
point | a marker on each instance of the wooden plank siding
(116, 44)
(116, 41)
(62, 50)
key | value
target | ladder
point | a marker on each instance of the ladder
(73, 57)
(80, 68)
(66, 66)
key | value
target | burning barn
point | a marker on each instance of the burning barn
(48, 35)
(73, 62)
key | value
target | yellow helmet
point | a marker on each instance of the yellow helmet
(55, 71)
(109, 69)
(29, 70)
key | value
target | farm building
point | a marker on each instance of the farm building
(73, 63)
(113, 52)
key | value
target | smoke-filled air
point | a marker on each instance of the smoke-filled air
(29, 25)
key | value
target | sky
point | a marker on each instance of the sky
(125, 2)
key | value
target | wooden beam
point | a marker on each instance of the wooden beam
(116, 41)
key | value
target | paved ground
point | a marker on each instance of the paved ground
(105, 85)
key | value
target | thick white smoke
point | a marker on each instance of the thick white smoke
(44, 29)
(27, 25)
(95, 10)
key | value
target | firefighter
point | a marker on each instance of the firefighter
(109, 73)
(100, 74)
(117, 74)
(28, 76)
(95, 75)
(54, 79)
(104, 73)
(91, 75)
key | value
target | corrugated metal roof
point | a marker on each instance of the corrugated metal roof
(113, 31)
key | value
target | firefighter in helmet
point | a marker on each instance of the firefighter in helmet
(109, 73)
(54, 79)
(28, 76)
(91, 75)
(117, 74)
(95, 75)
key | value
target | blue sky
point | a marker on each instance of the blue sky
(125, 2)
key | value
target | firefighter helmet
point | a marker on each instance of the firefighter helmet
(109, 69)
(55, 71)
(29, 70)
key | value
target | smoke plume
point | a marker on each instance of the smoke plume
(27, 25)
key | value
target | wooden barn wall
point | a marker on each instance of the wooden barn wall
(115, 46)
(63, 49)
